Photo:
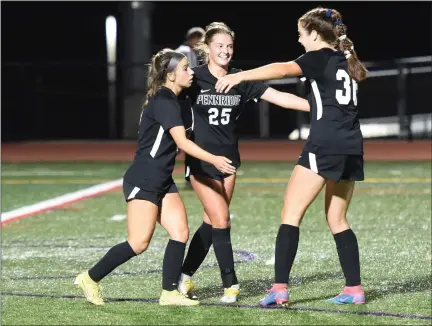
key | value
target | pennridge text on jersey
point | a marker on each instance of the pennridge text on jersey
(223, 100)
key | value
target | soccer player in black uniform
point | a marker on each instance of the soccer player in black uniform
(214, 129)
(333, 154)
(148, 186)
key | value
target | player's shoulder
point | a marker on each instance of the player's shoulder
(165, 92)
(321, 54)
(243, 84)
(163, 97)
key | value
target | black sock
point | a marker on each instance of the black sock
(348, 251)
(224, 255)
(116, 256)
(198, 249)
(286, 249)
(172, 263)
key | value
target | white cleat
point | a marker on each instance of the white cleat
(230, 294)
(186, 286)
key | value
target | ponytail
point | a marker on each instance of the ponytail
(161, 64)
(355, 68)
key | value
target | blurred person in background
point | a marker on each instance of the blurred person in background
(188, 48)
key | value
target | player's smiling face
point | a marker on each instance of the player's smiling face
(221, 49)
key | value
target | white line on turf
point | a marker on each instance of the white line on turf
(60, 201)
(41, 172)
(118, 217)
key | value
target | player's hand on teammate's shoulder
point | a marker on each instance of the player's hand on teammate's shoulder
(224, 84)
(223, 164)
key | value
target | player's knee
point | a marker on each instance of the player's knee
(220, 221)
(139, 245)
(291, 216)
(337, 222)
(336, 217)
(218, 217)
(180, 234)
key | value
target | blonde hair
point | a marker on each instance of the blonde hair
(210, 31)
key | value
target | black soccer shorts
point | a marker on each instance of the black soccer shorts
(131, 192)
(334, 167)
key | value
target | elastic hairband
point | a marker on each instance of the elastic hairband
(328, 12)
(338, 22)
(174, 61)
(347, 54)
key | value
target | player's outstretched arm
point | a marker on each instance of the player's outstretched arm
(271, 71)
(285, 100)
(220, 162)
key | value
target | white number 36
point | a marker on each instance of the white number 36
(344, 96)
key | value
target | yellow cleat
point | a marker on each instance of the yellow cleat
(230, 294)
(186, 287)
(175, 298)
(90, 288)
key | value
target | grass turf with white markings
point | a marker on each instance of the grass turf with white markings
(393, 228)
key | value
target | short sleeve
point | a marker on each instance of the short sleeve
(167, 112)
(253, 90)
(313, 64)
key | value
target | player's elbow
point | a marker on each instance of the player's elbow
(290, 69)
(281, 70)
(182, 144)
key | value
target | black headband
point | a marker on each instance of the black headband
(329, 14)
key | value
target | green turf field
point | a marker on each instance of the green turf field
(390, 213)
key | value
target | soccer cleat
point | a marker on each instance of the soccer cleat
(186, 287)
(90, 288)
(175, 298)
(230, 294)
(275, 297)
(349, 297)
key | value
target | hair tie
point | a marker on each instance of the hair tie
(338, 22)
(174, 61)
(347, 54)
(328, 12)
(342, 37)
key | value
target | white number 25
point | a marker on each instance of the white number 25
(224, 116)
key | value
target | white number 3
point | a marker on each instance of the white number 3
(344, 96)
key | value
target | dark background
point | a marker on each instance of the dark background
(54, 54)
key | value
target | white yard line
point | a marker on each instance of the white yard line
(48, 172)
(60, 201)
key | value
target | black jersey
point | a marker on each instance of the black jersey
(214, 115)
(154, 160)
(334, 126)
